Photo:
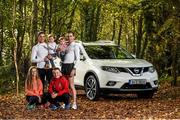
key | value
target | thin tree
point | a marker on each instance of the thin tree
(139, 36)
(34, 22)
(114, 28)
(120, 30)
(1, 35)
(14, 33)
(44, 17)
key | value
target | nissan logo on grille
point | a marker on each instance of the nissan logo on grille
(136, 70)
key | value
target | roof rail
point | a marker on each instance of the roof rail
(105, 41)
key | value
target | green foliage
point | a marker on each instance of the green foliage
(7, 78)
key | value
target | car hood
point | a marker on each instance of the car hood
(122, 63)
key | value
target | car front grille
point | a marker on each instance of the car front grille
(134, 71)
(127, 86)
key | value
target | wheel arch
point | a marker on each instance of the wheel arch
(91, 73)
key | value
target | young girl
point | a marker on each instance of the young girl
(33, 88)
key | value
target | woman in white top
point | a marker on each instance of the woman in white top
(72, 56)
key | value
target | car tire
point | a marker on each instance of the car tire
(92, 87)
(146, 94)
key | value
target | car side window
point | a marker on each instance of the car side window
(82, 57)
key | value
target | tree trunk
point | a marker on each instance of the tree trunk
(144, 46)
(174, 63)
(96, 24)
(50, 16)
(175, 55)
(178, 57)
(21, 31)
(69, 26)
(86, 18)
(1, 36)
(139, 37)
(34, 22)
(126, 36)
(14, 33)
(44, 17)
(114, 28)
(120, 30)
(176, 3)
(92, 20)
(134, 36)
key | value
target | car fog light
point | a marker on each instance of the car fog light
(155, 82)
(111, 83)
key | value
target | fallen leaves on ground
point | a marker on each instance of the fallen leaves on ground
(164, 105)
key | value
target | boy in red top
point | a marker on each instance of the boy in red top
(58, 90)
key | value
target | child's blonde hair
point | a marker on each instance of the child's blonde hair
(50, 35)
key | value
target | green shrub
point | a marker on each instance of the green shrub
(7, 78)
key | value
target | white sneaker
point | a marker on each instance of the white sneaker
(63, 106)
(74, 106)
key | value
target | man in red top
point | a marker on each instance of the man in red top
(58, 90)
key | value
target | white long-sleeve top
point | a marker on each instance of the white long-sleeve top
(52, 47)
(72, 54)
(39, 52)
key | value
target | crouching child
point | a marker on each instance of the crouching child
(58, 91)
(33, 88)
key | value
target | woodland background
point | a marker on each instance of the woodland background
(150, 29)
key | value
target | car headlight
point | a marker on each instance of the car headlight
(110, 69)
(151, 69)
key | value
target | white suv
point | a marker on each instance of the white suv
(107, 68)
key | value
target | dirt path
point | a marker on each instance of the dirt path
(164, 105)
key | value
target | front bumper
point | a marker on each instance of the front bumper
(122, 79)
(116, 90)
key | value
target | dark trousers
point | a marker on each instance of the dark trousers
(45, 73)
(32, 100)
(63, 98)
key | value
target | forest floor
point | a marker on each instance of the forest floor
(164, 105)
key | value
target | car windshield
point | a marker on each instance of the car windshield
(107, 52)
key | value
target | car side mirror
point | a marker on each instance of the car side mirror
(82, 58)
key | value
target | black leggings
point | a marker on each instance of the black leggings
(32, 100)
(45, 73)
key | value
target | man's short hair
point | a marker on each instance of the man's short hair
(70, 32)
(39, 33)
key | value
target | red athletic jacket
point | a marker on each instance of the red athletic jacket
(59, 85)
